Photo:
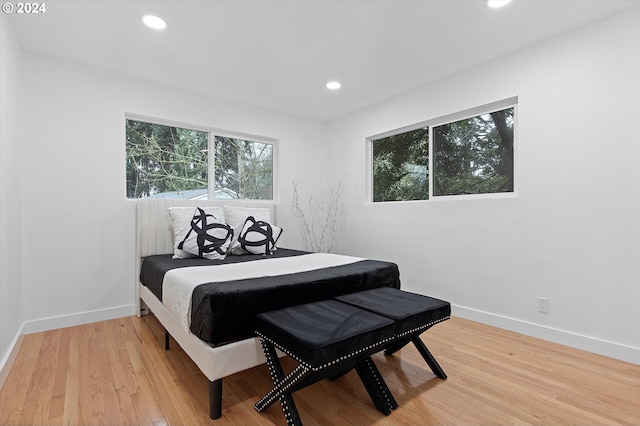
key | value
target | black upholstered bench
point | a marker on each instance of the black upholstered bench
(327, 339)
(331, 337)
(412, 315)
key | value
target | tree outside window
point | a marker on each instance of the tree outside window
(400, 166)
(163, 159)
(173, 162)
(475, 155)
(470, 156)
(244, 169)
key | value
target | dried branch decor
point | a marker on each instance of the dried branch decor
(319, 219)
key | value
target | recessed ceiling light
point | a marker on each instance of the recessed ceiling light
(497, 3)
(155, 22)
(333, 85)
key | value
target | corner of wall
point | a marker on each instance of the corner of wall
(10, 356)
(11, 293)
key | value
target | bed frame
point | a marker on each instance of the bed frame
(155, 236)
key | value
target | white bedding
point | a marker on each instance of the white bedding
(178, 284)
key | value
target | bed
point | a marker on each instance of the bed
(214, 324)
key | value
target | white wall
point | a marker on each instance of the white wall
(11, 295)
(572, 232)
(78, 226)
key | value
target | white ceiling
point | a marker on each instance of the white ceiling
(280, 54)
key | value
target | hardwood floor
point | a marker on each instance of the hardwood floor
(118, 373)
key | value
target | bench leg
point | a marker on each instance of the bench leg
(426, 355)
(376, 386)
(281, 386)
(431, 361)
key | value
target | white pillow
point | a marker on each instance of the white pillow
(207, 237)
(258, 236)
(237, 216)
(181, 222)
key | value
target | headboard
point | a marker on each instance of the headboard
(153, 226)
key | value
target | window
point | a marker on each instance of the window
(401, 166)
(469, 155)
(243, 169)
(165, 160)
(175, 162)
(474, 155)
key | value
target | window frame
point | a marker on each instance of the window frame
(211, 134)
(443, 120)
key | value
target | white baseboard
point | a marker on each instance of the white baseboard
(52, 323)
(10, 356)
(590, 344)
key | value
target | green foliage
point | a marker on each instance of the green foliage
(400, 166)
(163, 159)
(471, 156)
(475, 155)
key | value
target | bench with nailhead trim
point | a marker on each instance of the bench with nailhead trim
(331, 337)
(327, 339)
(412, 314)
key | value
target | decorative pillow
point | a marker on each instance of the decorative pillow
(181, 222)
(258, 236)
(207, 237)
(236, 218)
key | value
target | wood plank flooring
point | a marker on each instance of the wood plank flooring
(118, 373)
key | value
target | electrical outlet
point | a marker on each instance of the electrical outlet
(543, 305)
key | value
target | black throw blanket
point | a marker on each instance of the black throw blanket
(224, 312)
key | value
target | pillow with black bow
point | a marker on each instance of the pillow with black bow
(207, 237)
(181, 218)
(258, 236)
